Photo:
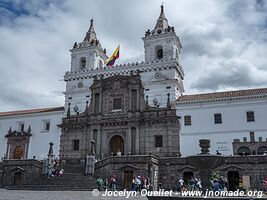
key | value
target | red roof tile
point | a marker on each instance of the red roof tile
(218, 95)
(31, 111)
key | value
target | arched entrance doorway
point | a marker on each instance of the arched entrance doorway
(18, 153)
(187, 175)
(117, 145)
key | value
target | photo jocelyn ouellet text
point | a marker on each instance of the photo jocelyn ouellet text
(170, 193)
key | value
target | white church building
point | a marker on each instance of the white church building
(222, 117)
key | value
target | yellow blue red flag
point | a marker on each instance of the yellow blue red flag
(114, 57)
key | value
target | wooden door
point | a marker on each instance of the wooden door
(117, 145)
(17, 178)
(128, 178)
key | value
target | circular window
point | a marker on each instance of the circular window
(80, 85)
(75, 108)
(155, 101)
(157, 75)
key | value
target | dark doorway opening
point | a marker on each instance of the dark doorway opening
(17, 178)
(187, 176)
(128, 178)
(233, 180)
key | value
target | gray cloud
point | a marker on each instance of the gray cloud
(231, 74)
(227, 37)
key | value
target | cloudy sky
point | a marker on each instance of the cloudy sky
(224, 43)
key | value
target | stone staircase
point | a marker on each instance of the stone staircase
(73, 179)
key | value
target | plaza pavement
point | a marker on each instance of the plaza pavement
(56, 195)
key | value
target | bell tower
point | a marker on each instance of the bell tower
(88, 54)
(162, 42)
(162, 55)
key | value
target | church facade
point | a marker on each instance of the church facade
(120, 122)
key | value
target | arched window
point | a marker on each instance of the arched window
(243, 151)
(262, 150)
(18, 153)
(82, 63)
(159, 52)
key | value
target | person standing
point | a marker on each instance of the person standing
(191, 184)
(180, 184)
(100, 183)
(265, 184)
(113, 182)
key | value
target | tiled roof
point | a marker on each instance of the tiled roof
(219, 95)
(31, 111)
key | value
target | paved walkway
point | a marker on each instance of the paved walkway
(56, 195)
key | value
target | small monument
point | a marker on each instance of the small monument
(90, 160)
(49, 161)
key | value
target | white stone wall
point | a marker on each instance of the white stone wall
(39, 141)
(77, 96)
(167, 81)
(234, 124)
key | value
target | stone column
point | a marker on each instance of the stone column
(7, 150)
(130, 100)
(129, 140)
(99, 142)
(169, 139)
(138, 99)
(26, 150)
(104, 147)
(100, 102)
(137, 146)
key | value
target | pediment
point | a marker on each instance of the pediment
(232, 168)
(128, 166)
(17, 168)
(187, 168)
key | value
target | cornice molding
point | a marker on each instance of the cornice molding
(125, 69)
(259, 96)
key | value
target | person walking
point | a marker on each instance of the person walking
(100, 183)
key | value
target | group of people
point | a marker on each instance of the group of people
(55, 171)
(107, 184)
(194, 184)
(219, 184)
(139, 183)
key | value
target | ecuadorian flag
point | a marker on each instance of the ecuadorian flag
(114, 57)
